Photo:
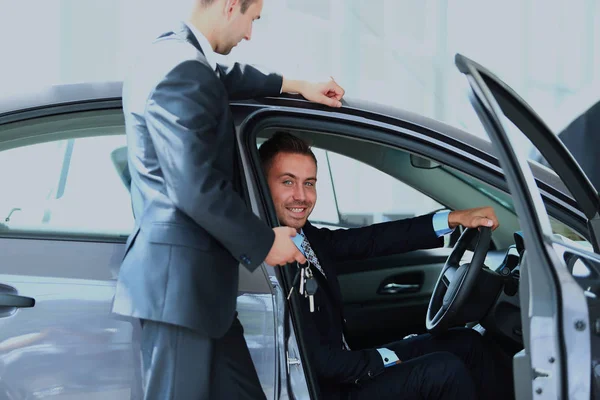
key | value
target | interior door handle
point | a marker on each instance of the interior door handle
(395, 288)
(14, 300)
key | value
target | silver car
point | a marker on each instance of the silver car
(65, 214)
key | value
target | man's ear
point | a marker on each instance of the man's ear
(230, 6)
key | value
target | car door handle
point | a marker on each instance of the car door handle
(395, 288)
(14, 300)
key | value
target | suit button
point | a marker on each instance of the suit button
(370, 374)
(245, 259)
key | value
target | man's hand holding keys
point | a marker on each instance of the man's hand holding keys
(284, 251)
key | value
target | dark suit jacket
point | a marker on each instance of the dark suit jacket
(336, 367)
(581, 138)
(192, 227)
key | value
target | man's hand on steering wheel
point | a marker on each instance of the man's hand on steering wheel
(473, 218)
(458, 278)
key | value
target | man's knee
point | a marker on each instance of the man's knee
(468, 341)
(446, 373)
(446, 365)
(467, 335)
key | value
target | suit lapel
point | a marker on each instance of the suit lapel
(185, 33)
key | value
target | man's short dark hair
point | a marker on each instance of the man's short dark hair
(244, 3)
(283, 142)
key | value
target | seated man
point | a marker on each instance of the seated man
(457, 365)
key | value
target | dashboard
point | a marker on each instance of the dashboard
(503, 316)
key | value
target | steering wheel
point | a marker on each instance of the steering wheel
(456, 281)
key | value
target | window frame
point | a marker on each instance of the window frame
(421, 140)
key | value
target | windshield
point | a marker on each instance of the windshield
(503, 199)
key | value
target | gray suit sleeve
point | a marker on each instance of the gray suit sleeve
(245, 82)
(182, 114)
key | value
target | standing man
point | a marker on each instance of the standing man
(179, 276)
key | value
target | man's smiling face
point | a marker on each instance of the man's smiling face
(292, 180)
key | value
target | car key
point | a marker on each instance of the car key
(308, 276)
(302, 279)
(311, 289)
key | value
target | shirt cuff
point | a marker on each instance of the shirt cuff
(388, 357)
(440, 223)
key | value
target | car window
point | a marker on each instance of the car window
(558, 228)
(64, 186)
(352, 193)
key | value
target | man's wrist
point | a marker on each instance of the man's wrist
(453, 219)
(292, 86)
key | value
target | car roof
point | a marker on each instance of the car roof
(42, 97)
(91, 92)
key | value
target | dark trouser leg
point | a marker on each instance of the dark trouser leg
(492, 380)
(179, 363)
(234, 376)
(175, 362)
(434, 376)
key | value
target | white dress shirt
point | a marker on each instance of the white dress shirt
(207, 49)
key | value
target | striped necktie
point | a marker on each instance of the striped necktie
(312, 258)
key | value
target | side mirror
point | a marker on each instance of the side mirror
(422, 163)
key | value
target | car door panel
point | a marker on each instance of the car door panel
(374, 315)
(386, 298)
(68, 343)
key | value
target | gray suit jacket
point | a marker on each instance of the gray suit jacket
(192, 227)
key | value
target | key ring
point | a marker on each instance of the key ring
(299, 276)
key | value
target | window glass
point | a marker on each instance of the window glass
(65, 186)
(29, 180)
(520, 142)
(363, 195)
(558, 228)
(325, 211)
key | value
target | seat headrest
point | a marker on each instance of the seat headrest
(119, 159)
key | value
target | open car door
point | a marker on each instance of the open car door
(560, 281)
